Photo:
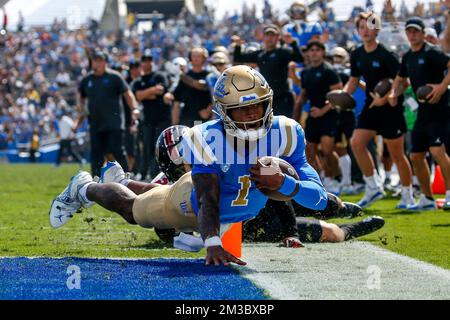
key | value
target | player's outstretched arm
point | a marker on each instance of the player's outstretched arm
(207, 193)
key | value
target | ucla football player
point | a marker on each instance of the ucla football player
(227, 173)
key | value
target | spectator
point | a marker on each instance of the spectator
(34, 145)
(103, 88)
(192, 91)
(273, 62)
(149, 90)
(425, 64)
(374, 63)
(66, 136)
(299, 28)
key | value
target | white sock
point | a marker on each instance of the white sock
(447, 195)
(345, 163)
(388, 174)
(82, 195)
(415, 181)
(371, 181)
(407, 191)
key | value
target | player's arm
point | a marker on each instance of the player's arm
(238, 56)
(440, 88)
(207, 192)
(132, 103)
(81, 112)
(298, 106)
(352, 85)
(398, 87)
(201, 85)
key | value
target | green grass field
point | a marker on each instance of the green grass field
(26, 192)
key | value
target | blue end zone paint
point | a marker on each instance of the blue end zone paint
(165, 279)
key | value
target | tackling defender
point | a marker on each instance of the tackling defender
(217, 192)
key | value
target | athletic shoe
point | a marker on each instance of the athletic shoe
(371, 195)
(359, 229)
(332, 186)
(446, 206)
(405, 201)
(423, 204)
(112, 172)
(347, 189)
(68, 202)
(358, 188)
(350, 210)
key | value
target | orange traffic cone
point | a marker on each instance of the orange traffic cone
(438, 186)
(232, 240)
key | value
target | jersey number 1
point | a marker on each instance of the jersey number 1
(241, 199)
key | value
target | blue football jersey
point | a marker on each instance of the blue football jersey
(304, 31)
(210, 150)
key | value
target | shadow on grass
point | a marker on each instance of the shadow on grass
(441, 225)
(154, 244)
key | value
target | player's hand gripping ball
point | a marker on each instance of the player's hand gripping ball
(268, 175)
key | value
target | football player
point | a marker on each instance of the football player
(215, 193)
(277, 221)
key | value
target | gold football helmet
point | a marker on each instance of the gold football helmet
(241, 86)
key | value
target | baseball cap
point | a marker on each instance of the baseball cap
(415, 22)
(147, 55)
(271, 28)
(133, 64)
(99, 54)
(315, 43)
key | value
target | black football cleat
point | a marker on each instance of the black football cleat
(350, 210)
(359, 229)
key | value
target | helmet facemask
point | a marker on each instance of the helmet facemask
(246, 130)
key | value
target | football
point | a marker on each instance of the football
(341, 99)
(287, 169)
(383, 87)
(422, 93)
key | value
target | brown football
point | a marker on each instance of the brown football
(422, 93)
(341, 99)
(383, 87)
(286, 168)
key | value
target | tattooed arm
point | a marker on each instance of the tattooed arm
(207, 193)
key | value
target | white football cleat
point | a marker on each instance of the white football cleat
(371, 195)
(65, 205)
(332, 186)
(406, 201)
(423, 204)
(112, 172)
(347, 189)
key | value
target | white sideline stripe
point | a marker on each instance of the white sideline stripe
(425, 266)
(340, 271)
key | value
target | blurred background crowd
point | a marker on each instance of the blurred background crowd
(41, 66)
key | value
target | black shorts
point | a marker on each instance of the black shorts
(387, 121)
(427, 134)
(326, 125)
(346, 126)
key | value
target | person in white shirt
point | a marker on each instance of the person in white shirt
(66, 135)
